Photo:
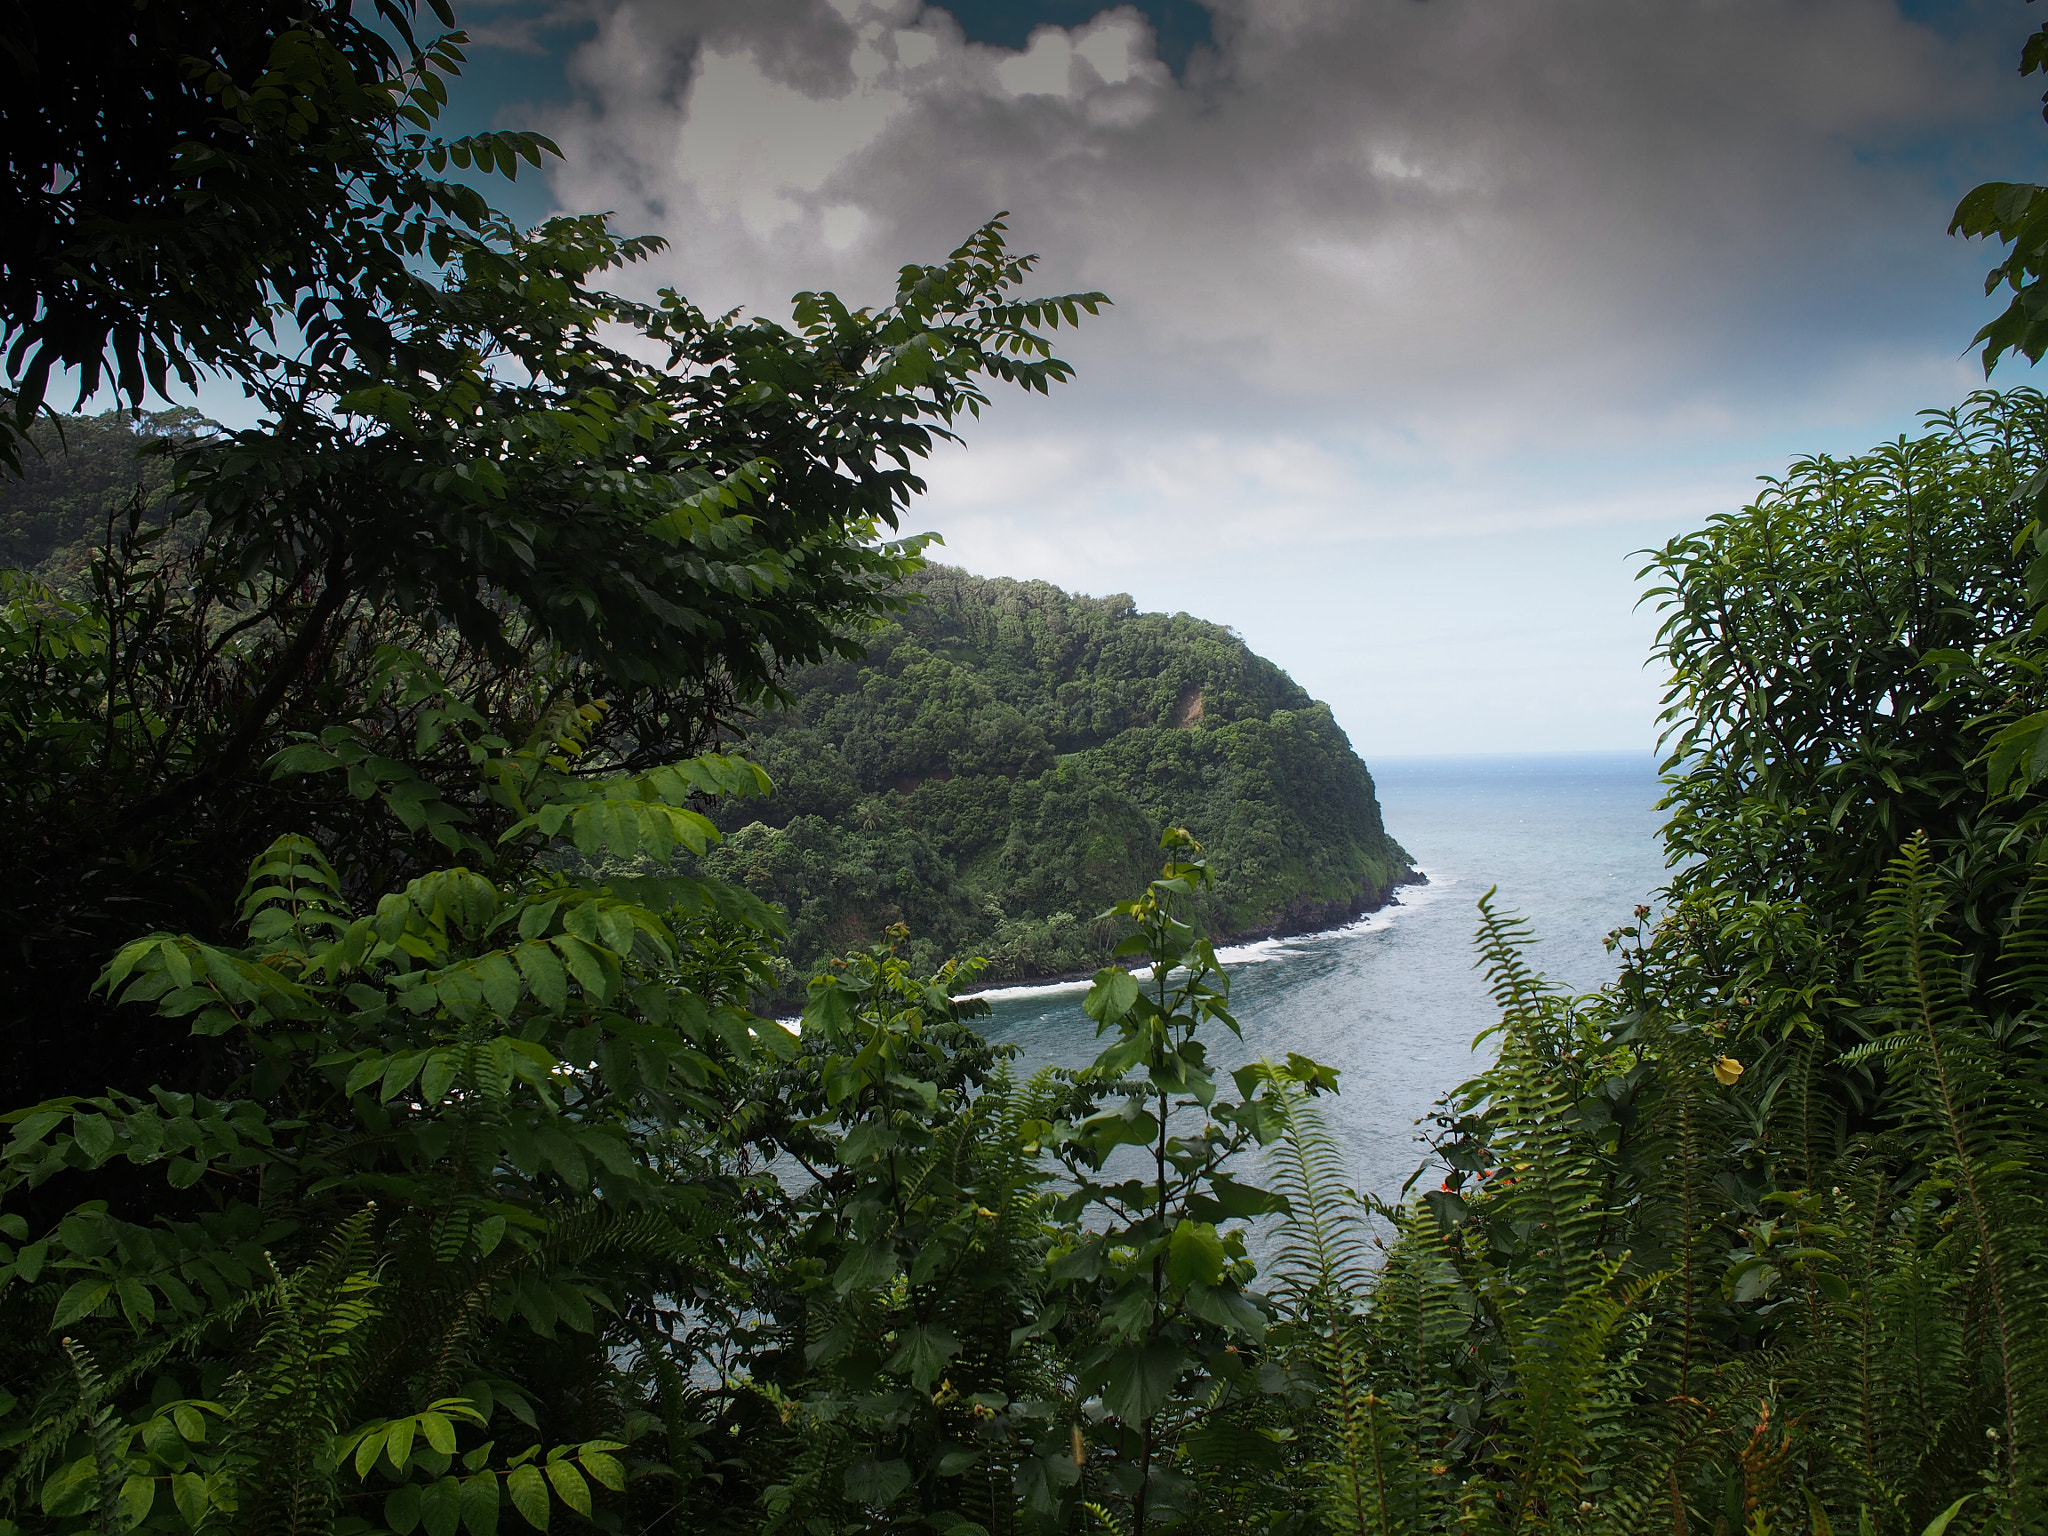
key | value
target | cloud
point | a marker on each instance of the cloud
(1381, 270)
(523, 26)
(1368, 198)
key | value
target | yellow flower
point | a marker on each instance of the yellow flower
(1726, 1070)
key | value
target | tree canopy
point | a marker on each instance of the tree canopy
(399, 1151)
(467, 489)
(993, 772)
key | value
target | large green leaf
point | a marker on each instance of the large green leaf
(1140, 1377)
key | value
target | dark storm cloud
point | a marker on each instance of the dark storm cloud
(1382, 270)
(1338, 190)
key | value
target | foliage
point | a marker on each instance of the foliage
(477, 1184)
(2016, 214)
(1630, 1307)
(1748, 1241)
(483, 1101)
(1839, 651)
(994, 769)
(1160, 1268)
(179, 181)
(373, 564)
(76, 488)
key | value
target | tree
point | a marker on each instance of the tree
(459, 491)
(2015, 213)
(181, 174)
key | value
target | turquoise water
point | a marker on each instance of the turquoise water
(1569, 840)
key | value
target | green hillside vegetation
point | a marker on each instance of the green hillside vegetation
(994, 772)
(388, 1159)
(81, 479)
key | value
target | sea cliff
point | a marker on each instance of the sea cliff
(996, 770)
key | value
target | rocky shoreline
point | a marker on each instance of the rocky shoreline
(1295, 920)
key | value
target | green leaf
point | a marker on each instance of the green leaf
(569, 1486)
(869, 1139)
(1231, 1444)
(369, 1448)
(28, 1263)
(1227, 1307)
(70, 1489)
(489, 1233)
(500, 980)
(402, 1508)
(441, 1507)
(1228, 1200)
(79, 1300)
(922, 1353)
(162, 1440)
(1140, 1378)
(480, 1504)
(138, 1497)
(604, 1467)
(363, 1073)
(137, 1305)
(865, 1267)
(1194, 1255)
(583, 964)
(439, 1075)
(95, 1137)
(529, 1491)
(188, 1493)
(1940, 1522)
(545, 976)
(1112, 995)
(398, 1445)
(876, 1484)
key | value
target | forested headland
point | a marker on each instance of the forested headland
(990, 772)
(993, 773)
(395, 1145)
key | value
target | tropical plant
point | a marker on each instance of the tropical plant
(1160, 1268)
(542, 518)
(485, 1101)
(1633, 1306)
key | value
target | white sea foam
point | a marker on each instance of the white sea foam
(1258, 951)
(1406, 898)
(1032, 989)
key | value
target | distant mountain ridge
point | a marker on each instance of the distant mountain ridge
(998, 768)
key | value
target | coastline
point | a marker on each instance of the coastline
(1298, 920)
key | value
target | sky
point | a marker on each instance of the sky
(1428, 315)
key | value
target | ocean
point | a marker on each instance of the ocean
(1569, 841)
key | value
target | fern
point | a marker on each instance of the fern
(300, 1384)
(1367, 1442)
(1983, 1138)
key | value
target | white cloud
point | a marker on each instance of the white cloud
(1382, 271)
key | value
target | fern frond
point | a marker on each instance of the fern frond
(1983, 1138)
(1324, 1241)
(1365, 1445)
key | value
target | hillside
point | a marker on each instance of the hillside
(994, 774)
(998, 768)
(85, 474)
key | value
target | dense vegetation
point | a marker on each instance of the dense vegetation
(994, 772)
(438, 1176)
(81, 478)
(467, 509)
